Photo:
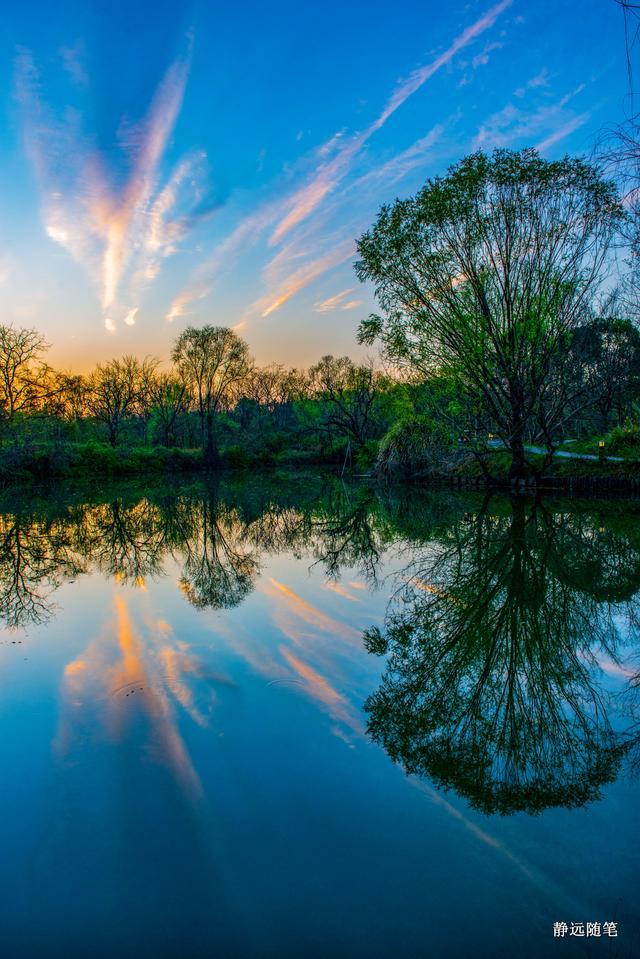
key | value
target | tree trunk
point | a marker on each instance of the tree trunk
(212, 454)
(518, 469)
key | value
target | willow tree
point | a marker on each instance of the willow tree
(212, 362)
(485, 274)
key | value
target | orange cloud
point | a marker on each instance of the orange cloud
(331, 302)
(118, 234)
(310, 614)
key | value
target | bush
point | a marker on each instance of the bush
(367, 455)
(623, 441)
(417, 447)
(236, 457)
(42, 462)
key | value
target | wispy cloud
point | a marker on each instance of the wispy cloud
(481, 59)
(333, 165)
(326, 179)
(246, 232)
(515, 122)
(118, 228)
(395, 169)
(563, 132)
(289, 284)
(73, 63)
(541, 79)
(323, 306)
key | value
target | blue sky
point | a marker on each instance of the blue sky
(169, 164)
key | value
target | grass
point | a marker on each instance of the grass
(621, 441)
(499, 462)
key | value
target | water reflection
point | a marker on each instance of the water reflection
(506, 640)
(495, 643)
(217, 533)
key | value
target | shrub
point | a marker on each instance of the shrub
(236, 457)
(367, 455)
(417, 446)
(623, 441)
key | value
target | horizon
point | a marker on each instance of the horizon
(188, 182)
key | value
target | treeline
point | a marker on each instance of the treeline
(212, 406)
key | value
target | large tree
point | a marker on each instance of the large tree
(484, 275)
(212, 362)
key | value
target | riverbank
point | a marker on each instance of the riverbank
(43, 462)
(570, 474)
(38, 463)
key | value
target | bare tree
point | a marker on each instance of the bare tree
(118, 390)
(25, 380)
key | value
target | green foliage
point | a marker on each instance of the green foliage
(623, 441)
(236, 457)
(48, 461)
(417, 446)
(483, 276)
(367, 455)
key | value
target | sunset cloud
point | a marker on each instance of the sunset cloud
(332, 302)
(119, 229)
(289, 285)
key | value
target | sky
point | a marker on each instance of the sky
(170, 164)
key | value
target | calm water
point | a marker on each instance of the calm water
(290, 717)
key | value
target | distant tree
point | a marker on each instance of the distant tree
(118, 390)
(484, 275)
(349, 393)
(213, 363)
(71, 402)
(25, 380)
(167, 401)
(607, 351)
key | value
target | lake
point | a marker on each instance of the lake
(287, 716)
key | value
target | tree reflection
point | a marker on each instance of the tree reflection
(220, 565)
(36, 556)
(126, 540)
(504, 610)
(491, 686)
